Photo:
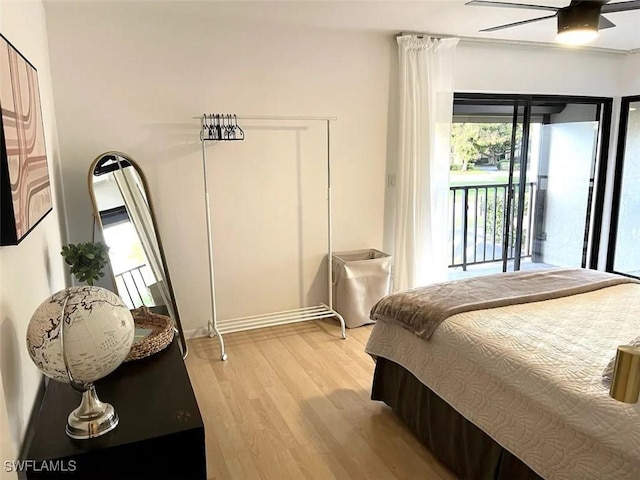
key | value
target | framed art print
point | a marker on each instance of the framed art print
(25, 190)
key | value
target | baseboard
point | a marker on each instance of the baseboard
(196, 333)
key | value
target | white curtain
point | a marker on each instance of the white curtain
(422, 182)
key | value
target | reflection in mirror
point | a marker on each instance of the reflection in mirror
(124, 212)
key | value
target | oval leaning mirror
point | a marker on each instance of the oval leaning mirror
(123, 211)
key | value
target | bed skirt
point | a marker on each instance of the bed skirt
(464, 448)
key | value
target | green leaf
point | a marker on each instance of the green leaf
(86, 260)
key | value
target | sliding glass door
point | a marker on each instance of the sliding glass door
(522, 182)
(625, 230)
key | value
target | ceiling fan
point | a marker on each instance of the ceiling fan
(578, 22)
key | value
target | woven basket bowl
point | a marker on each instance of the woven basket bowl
(160, 337)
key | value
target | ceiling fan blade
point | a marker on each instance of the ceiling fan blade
(621, 6)
(575, 2)
(604, 23)
(486, 3)
(509, 25)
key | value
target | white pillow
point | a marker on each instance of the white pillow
(607, 373)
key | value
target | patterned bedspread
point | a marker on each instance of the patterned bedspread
(530, 376)
(423, 309)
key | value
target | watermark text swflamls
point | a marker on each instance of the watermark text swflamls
(40, 466)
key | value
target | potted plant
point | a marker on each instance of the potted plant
(86, 260)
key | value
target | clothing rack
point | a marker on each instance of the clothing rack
(225, 127)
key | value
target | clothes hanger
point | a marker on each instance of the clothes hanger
(236, 126)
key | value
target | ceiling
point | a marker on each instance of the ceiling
(473, 18)
(444, 17)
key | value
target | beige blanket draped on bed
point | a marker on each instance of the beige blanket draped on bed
(421, 310)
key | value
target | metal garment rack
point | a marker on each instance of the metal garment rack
(213, 128)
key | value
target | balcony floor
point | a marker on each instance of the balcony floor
(456, 273)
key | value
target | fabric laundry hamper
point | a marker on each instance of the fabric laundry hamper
(360, 279)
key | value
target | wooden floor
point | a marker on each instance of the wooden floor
(294, 402)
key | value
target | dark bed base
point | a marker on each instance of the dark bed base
(457, 442)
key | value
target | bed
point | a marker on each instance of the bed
(514, 390)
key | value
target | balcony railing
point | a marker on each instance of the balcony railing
(478, 220)
(133, 283)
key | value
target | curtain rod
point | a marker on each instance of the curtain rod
(425, 34)
(522, 43)
(268, 117)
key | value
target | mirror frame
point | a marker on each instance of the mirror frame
(98, 220)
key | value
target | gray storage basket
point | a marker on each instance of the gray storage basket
(360, 279)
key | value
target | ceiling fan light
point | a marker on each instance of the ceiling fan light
(577, 36)
(577, 26)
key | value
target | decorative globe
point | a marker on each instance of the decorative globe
(98, 334)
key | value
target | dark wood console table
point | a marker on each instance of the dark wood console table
(160, 434)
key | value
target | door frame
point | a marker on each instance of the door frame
(625, 104)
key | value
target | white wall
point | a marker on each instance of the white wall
(33, 270)
(571, 146)
(483, 67)
(631, 75)
(108, 194)
(130, 77)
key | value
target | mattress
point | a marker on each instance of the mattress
(530, 376)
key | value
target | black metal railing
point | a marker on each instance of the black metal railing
(133, 283)
(479, 219)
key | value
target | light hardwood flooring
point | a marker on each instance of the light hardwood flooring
(293, 401)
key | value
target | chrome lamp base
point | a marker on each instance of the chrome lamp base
(92, 418)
